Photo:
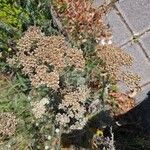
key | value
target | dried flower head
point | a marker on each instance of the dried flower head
(44, 58)
(39, 108)
(121, 103)
(81, 20)
(114, 59)
(7, 125)
(132, 80)
(74, 57)
(74, 108)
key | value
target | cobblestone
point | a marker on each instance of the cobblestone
(136, 13)
(127, 20)
(141, 95)
(145, 40)
(117, 26)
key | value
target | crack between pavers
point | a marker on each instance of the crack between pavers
(139, 43)
(111, 4)
(145, 84)
(140, 87)
(133, 35)
(144, 50)
(124, 21)
(141, 34)
(122, 45)
(127, 25)
(137, 36)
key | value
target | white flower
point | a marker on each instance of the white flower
(44, 101)
(57, 130)
(49, 137)
(103, 42)
(9, 146)
(29, 98)
(46, 147)
(37, 124)
(110, 42)
(0, 54)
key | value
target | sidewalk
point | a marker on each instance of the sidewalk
(130, 24)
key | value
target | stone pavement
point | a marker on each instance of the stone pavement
(129, 21)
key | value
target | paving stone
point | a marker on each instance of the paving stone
(136, 13)
(141, 95)
(140, 66)
(119, 30)
(145, 41)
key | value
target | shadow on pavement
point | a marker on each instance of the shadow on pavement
(132, 134)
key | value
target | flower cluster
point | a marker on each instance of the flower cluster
(39, 108)
(81, 20)
(73, 106)
(7, 125)
(121, 103)
(44, 58)
(116, 60)
(132, 80)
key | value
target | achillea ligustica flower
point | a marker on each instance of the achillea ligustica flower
(81, 20)
(43, 58)
(7, 125)
(74, 57)
(132, 80)
(39, 108)
(114, 59)
(74, 108)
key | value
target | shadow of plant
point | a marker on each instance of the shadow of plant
(82, 138)
(134, 132)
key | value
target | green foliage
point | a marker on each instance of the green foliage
(17, 16)
(9, 14)
(30, 133)
(10, 23)
(13, 100)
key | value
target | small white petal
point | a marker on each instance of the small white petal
(37, 124)
(103, 42)
(57, 130)
(9, 146)
(44, 101)
(46, 147)
(49, 137)
(0, 54)
(29, 98)
(110, 42)
(136, 34)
